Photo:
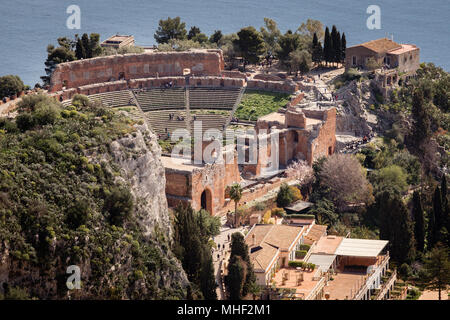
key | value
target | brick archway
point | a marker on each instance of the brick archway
(206, 200)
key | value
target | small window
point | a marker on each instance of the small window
(354, 60)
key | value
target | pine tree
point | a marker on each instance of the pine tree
(343, 47)
(437, 269)
(327, 46)
(419, 224)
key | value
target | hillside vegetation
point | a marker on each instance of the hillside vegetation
(65, 201)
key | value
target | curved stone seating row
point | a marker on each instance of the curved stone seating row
(210, 121)
(161, 99)
(115, 98)
(213, 98)
(159, 120)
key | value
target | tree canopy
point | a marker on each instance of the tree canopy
(10, 85)
(169, 29)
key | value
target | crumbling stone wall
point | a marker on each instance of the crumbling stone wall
(187, 187)
(280, 86)
(134, 66)
(325, 142)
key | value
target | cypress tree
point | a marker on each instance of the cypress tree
(327, 46)
(316, 49)
(334, 43)
(80, 52)
(437, 209)
(193, 251)
(421, 118)
(208, 282)
(343, 47)
(338, 48)
(86, 45)
(240, 266)
(396, 226)
(445, 208)
(439, 230)
(419, 225)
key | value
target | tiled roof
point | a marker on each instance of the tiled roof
(382, 45)
(270, 239)
(403, 49)
(315, 233)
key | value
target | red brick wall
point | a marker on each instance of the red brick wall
(325, 143)
(134, 66)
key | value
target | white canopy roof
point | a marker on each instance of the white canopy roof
(323, 261)
(360, 247)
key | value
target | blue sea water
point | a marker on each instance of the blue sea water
(27, 27)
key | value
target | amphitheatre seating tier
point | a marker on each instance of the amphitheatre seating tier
(210, 121)
(115, 99)
(213, 98)
(159, 120)
(161, 99)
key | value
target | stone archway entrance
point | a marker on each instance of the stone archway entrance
(206, 200)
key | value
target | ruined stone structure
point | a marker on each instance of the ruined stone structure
(135, 66)
(304, 133)
(204, 186)
(156, 84)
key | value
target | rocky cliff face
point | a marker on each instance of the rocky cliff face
(139, 159)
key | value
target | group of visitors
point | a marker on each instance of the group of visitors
(168, 85)
(172, 116)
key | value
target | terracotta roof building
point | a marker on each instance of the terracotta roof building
(271, 247)
(386, 52)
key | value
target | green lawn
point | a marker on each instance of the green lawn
(256, 104)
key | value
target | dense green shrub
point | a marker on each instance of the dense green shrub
(285, 196)
(25, 122)
(10, 85)
(78, 214)
(296, 264)
(300, 254)
(119, 205)
(46, 113)
(305, 247)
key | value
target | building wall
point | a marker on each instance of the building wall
(361, 54)
(134, 66)
(407, 62)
